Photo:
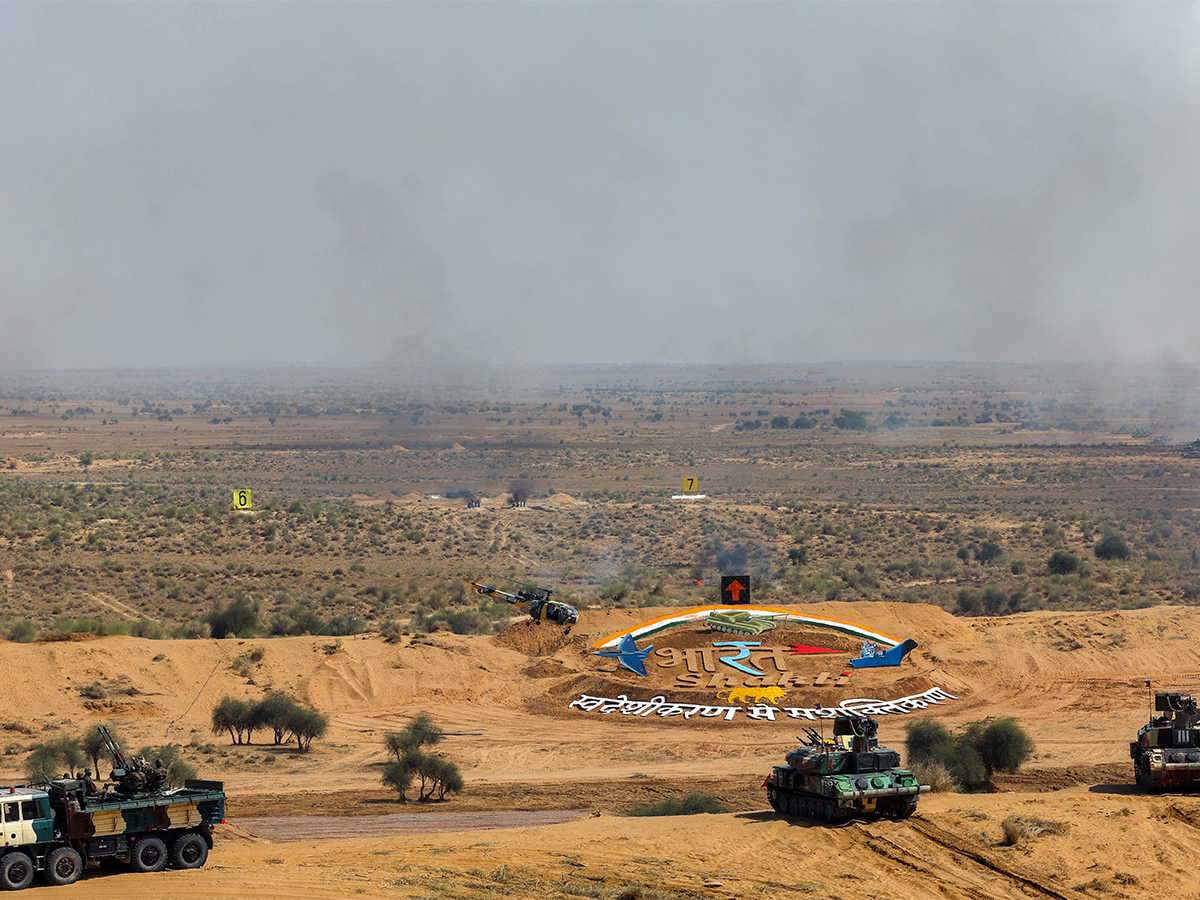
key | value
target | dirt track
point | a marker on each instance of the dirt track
(303, 828)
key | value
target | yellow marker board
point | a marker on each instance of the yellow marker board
(690, 482)
(241, 499)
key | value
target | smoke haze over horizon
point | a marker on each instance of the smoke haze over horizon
(188, 184)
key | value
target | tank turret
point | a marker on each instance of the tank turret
(832, 780)
(1166, 754)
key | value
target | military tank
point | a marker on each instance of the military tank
(1166, 754)
(833, 780)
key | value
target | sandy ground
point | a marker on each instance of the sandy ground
(1075, 682)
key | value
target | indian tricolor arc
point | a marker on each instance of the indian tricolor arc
(683, 616)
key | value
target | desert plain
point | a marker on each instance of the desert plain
(1033, 530)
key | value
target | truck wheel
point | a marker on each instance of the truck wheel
(149, 855)
(189, 851)
(16, 871)
(64, 866)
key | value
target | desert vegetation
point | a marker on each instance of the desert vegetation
(411, 763)
(686, 805)
(969, 758)
(980, 494)
(282, 715)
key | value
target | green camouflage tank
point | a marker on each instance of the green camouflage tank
(832, 780)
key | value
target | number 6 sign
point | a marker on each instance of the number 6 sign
(241, 499)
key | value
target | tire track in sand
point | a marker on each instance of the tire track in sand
(974, 871)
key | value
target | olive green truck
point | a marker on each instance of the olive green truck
(59, 827)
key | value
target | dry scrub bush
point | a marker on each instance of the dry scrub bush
(1018, 829)
(936, 775)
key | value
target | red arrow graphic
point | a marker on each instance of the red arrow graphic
(735, 589)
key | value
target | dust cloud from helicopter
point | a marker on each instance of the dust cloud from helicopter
(402, 184)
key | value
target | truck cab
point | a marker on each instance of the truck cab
(26, 817)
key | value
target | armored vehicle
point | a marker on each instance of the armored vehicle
(1166, 754)
(738, 622)
(61, 825)
(832, 780)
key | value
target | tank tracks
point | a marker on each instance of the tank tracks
(821, 809)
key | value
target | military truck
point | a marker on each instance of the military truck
(833, 780)
(60, 826)
(1166, 754)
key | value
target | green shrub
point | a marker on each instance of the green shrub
(1112, 546)
(688, 805)
(239, 618)
(144, 628)
(1063, 563)
(22, 631)
(972, 756)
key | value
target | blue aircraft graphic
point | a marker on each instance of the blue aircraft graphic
(628, 655)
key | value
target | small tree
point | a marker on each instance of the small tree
(59, 754)
(398, 775)
(444, 777)
(234, 716)
(274, 711)
(1002, 744)
(305, 725)
(927, 740)
(42, 762)
(850, 420)
(437, 774)
(988, 552)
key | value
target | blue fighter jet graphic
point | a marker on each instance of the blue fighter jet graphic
(628, 655)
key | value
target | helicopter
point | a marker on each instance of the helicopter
(518, 593)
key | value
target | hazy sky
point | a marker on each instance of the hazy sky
(598, 182)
